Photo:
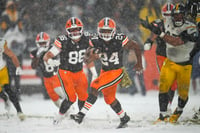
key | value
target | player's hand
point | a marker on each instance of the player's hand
(155, 29)
(138, 68)
(18, 71)
(40, 51)
(91, 55)
(145, 23)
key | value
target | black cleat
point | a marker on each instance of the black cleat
(77, 117)
(124, 120)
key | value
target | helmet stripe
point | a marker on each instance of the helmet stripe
(41, 35)
(73, 20)
(106, 21)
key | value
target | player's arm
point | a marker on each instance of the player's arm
(54, 51)
(131, 44)
(92, 69)
(91, 55)
(10, 54)
(34, 62)
(149, 42)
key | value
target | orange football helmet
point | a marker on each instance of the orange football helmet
(106, 28)
(167, 9)
(42, 40)
(74, 28)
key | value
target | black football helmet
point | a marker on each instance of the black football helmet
(178, 14)
(192, 7)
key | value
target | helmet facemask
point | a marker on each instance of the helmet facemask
(178, 19)
(75, 33)
(106, 33)
(44, 45)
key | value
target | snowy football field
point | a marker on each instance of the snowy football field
(143, 110)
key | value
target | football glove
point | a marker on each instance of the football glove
(148, 43)
(126, 81)
(18, 71)
(155, 29)
(145, 23)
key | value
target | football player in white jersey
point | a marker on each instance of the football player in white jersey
(180, 38)
(4, 79)
(161, 45)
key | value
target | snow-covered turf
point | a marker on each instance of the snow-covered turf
(143, 110)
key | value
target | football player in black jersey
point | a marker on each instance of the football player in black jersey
(193, 10)
(71, 47)
(108, 46)
(49, 71)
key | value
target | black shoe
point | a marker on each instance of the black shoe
(77, 117)
(124, 120)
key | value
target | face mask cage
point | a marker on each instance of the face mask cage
(178, 19)
(106, 34)
(75, 33)
(44, 44)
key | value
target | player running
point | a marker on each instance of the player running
(5, 88)
(49, 71)
(108, 47)
(71, 48)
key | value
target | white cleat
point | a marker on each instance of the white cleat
(57, 119)
(196, 116)
(21, 116)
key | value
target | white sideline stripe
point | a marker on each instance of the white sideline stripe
(29, 72)
(36, 81)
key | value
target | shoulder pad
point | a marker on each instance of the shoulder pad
(190, 27)
(62, 37)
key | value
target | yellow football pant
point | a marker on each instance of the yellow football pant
(4, 79)
(171, 72)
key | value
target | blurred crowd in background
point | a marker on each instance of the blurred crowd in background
(50, 16)
(22, 20)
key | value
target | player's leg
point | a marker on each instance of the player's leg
(49, 85)
(183, 81)
(67, 83)
(6, 99)
(167, 77)
(110, 99)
